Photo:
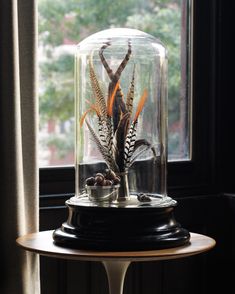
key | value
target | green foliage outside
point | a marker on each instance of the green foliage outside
(69, 21)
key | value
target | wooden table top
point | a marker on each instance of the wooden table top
(42, 243)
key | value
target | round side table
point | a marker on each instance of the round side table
(115, 263)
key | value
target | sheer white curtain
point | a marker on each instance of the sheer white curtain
(19, 207)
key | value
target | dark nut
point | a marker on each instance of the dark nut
(99, 175)
(106, 171)
(107, 183)
(90, 181)
(143, 197)
(98, 184)
(116, 181)
(110, 175)
(107, 174)
(99, 179)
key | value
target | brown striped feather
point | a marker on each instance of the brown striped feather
(100, 100)
(130, 94)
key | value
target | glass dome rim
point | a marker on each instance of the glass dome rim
(141, 35)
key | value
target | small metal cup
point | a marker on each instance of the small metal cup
(102, 193)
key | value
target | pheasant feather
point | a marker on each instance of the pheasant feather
(130, 94)
(146, 146)
(130, 144)
(106, 133)
(109, 135)
(100, 100)
(103, 150)
(120, 136)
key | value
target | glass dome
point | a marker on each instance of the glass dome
(121, 119)
(121, 201)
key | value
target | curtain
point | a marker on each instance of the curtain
(19, 207)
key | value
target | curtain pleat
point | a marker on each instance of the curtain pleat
(19, 202)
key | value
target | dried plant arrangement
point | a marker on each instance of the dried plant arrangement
(117, 125)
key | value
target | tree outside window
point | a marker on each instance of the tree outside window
(64, 23)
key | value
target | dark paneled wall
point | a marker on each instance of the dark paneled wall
(205, 273)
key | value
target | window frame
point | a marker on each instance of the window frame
(185, 178)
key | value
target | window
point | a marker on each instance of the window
(62, 24)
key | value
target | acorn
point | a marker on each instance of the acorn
(99, 184)
(143, 197)
(99, 178)
(116, 181)
(99, 175)
(106, 172)
(90, 181)
(110, 175)
(107, 183)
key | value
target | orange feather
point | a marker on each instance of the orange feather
(84, 116)
(141, 104)
(111, 100)
(94, 107)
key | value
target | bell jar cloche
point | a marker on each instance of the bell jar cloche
(121, 200)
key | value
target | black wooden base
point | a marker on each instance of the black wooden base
(120, 229)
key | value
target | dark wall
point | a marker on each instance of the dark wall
(226, 97)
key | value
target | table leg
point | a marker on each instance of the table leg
(116, 271)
